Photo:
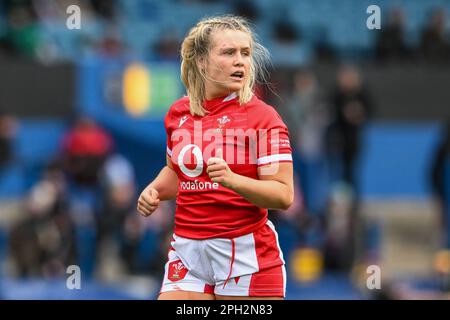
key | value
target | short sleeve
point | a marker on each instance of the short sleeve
(273, 139)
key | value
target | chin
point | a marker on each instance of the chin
(235, 88)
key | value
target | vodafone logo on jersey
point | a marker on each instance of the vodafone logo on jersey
(190, 161)
(191, 150)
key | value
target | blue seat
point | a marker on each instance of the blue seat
(12, 181)
(390, 146)
(37, 142)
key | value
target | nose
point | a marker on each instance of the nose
(239, 61)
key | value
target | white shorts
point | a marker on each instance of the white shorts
(249, 265)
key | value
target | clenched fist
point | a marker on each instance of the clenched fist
(148, 201)
(218, 170)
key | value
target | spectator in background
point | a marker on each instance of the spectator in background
(440, 186)
(44, 243)
(167, 48)
(105, 9)
(85, 149)
(118, 182)
(147, 241)
(351, 109)
(339, 240)
(118, 186)
(111, 44)
(7, 133)
(246, 9)
(390, 43)
(434, 44)
(306, 116)
(324, 51)
(440, 182)
(22, 36)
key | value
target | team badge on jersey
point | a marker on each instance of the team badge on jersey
(222, 122)
(177, 271)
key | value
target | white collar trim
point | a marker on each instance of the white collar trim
(230, 97)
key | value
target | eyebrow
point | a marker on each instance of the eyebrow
(234, 48)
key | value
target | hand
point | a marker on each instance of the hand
(148, 201)
(218, 170)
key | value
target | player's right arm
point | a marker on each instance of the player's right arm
(163, 187)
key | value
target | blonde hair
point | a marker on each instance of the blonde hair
(197, 45)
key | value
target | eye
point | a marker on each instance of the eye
(246, 53)
(228, 52)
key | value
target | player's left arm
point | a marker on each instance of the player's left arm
(273, 190)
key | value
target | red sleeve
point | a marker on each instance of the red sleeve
(273, 138)
(167, 122)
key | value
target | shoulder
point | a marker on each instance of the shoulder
(178, 108)
(261, 114)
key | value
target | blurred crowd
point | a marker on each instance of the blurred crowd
(82, 211)
(35, 29)
(326, 131)
(82, 208)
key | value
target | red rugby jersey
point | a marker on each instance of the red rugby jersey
(250, 135)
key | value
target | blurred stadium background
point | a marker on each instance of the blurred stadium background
(81, 133)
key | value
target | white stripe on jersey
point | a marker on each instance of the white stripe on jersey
(169, 152)
(273, 158)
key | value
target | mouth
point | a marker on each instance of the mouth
(238, 75)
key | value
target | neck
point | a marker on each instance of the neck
(215, 95)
